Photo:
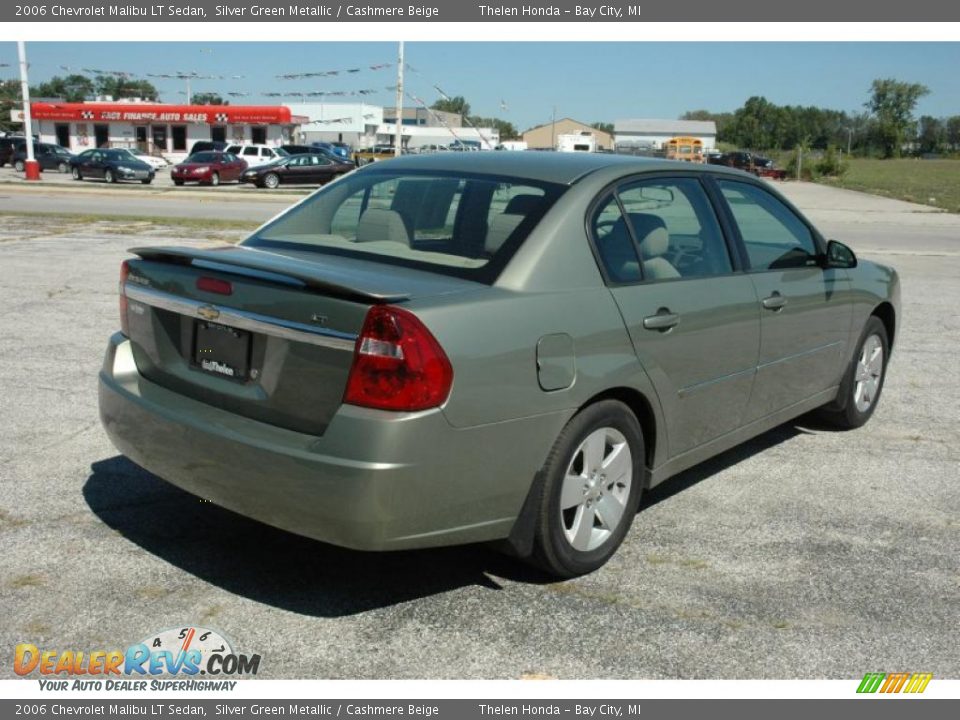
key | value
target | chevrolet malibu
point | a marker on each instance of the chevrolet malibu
(442, 349)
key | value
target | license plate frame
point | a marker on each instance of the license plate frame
(221, 350)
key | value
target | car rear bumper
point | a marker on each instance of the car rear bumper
(373, 481)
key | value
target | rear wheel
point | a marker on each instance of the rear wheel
(271, 180)
(109, 176)
(591, 489)
(18, 165)
(147, 181)
(863, 382)
(62, 167)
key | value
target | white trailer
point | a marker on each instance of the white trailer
(577, 142)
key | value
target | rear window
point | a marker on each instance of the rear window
(463, 225)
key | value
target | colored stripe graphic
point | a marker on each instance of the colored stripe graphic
(871, 682)
(894, 682)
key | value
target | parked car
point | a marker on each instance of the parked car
(339, 149)
(110, 164)
(209, 168)
(48, 155)
(298, 149)
(255, 155)
(8, 144)
(303, 169)
(208, 146)
(154, 161)
(513, 347)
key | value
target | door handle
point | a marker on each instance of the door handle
(775, 302)
(663, 320)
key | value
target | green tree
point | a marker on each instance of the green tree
(120, 87)
(892, 103)
(208, 99)
(457, 105)
(603, 127)
(72, 88)
(505, 128)
(953, 132)
(932, 135)
(9, 100)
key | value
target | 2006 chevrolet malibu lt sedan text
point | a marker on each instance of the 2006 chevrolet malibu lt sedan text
(445, 349)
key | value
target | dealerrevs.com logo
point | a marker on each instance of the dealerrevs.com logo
(886, 683)
(187, 652)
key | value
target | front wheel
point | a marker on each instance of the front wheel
(178, 183)
(146, 182)
(215, 179)
(19, 166)
(109, 176)
(271, 180)
(75, 172)
(863, 381)
(592, 482)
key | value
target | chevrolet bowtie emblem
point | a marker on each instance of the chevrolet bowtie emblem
(208, 312)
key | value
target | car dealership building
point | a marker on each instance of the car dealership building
(159, 128)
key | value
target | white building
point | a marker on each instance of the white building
(353, 123)
(653, 133)
(418, 136)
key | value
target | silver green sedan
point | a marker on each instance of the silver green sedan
(453, 348)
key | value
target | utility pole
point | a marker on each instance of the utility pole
(398, 138)
(553, 129)
(849, 139)
(31, 167)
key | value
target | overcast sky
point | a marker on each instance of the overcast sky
(587, 81)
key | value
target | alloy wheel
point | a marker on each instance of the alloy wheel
(596, 489)
(868, 373)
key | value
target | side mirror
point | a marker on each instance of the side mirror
(839, 256)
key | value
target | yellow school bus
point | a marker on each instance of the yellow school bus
(688, 149)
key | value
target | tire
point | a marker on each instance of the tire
(271, 181)
(215, 179)
(62, 167)
(863, 380)
(578, 539)
(146, 182)
(19, 166)
(178, 183)
(75, 172)
(109, 176)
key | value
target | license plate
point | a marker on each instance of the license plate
(221, 350)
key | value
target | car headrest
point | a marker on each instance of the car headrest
(379, 224)
(651, 233)
(522, 204)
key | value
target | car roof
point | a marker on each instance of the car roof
(556, 167)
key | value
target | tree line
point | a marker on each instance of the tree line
(886, 127)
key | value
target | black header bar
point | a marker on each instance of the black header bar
(259, 11)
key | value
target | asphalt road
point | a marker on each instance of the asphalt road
(804, 553)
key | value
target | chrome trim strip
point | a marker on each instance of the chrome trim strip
(802, 353)
(243, 320)
(713, 381)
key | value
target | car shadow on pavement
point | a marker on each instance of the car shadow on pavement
(306, 576)
(272, 566)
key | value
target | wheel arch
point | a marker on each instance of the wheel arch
(888, 316)
(521, 539)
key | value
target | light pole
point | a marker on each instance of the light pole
(31, 167)
(398, 138)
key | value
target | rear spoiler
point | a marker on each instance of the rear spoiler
(313, 276)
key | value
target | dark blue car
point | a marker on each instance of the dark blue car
(111, 165)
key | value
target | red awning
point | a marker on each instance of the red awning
(162, 113)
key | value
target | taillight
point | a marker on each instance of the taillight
(214, 285)
(124, 273)
(397, 364)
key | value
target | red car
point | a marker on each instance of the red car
(210, 168)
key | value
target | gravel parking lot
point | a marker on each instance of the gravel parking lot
(805, 553)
